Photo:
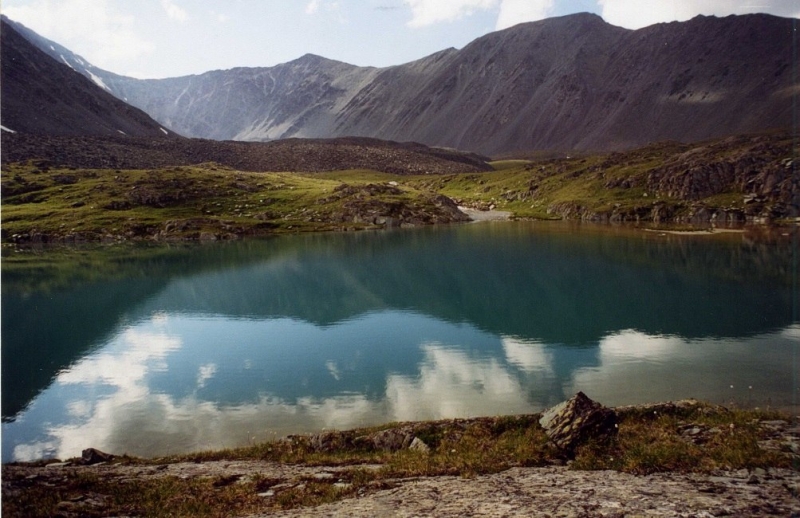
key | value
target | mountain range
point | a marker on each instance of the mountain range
(41, 96)
(568, 83)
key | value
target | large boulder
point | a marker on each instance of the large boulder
(577, 420)
(91, 456)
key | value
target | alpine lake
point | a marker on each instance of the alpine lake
(177, 348)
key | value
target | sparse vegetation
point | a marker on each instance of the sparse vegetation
(202, 202)
(733, 180)
(698, 438)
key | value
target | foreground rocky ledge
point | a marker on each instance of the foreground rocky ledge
(541, 491)
(391, 471)
(559, 491)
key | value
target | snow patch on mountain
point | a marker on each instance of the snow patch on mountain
(97, 80)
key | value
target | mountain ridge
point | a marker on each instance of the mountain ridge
(43, 96)
(571, 83)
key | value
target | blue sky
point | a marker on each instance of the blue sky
(167, 38)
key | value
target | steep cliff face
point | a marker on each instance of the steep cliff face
(42, 96)
(569, 83)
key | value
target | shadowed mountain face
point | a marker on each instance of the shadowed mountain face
(569, 83)
(42, 96)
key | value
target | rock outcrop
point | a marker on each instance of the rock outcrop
(392, 439)
(573, 422)
(91, 456)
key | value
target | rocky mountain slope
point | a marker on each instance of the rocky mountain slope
(295, 155)
(43, 96)
(569, 83)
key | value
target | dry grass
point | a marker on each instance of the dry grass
(648, 441)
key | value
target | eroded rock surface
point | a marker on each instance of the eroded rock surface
(576, 420)
(557, 491)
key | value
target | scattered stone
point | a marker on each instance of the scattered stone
(576, 420)
(91, 456)
(419, 445)
(227, 480)
(329, 441)
(393, 439)
(54, 465)
(697, 434)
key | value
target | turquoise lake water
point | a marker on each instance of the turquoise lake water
(222, 345)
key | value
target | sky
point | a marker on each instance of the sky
(169, 38)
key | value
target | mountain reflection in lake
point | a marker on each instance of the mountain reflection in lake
(221, 345)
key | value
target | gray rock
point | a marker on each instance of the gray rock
(419, 445)
(54, 465)
(577, 420)
(94, 456)
(393, 439)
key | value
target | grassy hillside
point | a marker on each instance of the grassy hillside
(739, 179)
(727, 181)
(204, 202)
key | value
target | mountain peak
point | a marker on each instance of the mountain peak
(568, 83)
(311, 59)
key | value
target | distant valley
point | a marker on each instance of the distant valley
(568, 118)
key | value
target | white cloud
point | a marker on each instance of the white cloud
(428, 12)
(513, 12)
(205, 373)
(312, 7)
(528, 356)
(331, 8)
(174, 11)
(635, 367)
(451, 384)
(94, 29)
(126, 370)
(635, 14)
(510, 12)
(221, 18)
(333, 369)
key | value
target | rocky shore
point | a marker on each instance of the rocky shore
(559, 491)
(534, 491)
(328, 482)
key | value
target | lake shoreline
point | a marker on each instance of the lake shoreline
(102, 237)
(698, 232)
(338, 482)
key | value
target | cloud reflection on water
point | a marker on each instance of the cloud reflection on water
(638, 368)
(451, 384)
(109, 399)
